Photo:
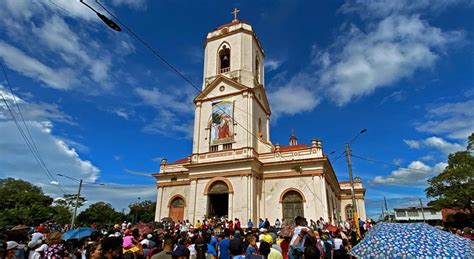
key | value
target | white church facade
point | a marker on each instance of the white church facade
(234, 169)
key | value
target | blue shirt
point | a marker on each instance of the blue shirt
(213, 241)
(224, 249)
(211, 250)
(250, 224)
(250, 251)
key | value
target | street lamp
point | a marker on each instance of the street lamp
(351, 180)
(104, 18)
(78, 194)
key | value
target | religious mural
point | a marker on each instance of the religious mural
(222, 125)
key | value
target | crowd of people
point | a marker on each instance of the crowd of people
(208, 238)
(212, 238)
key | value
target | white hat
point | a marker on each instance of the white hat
(263, 230)
(11, 245)
(149, 236)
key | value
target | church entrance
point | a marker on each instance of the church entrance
(292, 206)
(218, 200)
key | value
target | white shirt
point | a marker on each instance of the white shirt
(337, 243)
(37, 236)
(296, 232)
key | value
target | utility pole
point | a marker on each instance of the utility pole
(422, 212)
(77, 204)
(383, 215)
(354, 205)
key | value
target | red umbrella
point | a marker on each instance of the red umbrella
(331, 228)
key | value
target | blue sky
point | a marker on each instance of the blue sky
(100, 107)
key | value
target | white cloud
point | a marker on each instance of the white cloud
(390, 50)
(173, 111)
(272, 64)
(382, 8)
(135, 4)
(416, 174)
(15, 157)
(291, 100)
(412, 143)
(19, 61)
(455, 119)
(58, 154)
(436, 143)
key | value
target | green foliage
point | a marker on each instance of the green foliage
(470, 142)
(23, 203)
(454, 187)
(101, 213)
(61, 214)
(69, 201)
(142, 211)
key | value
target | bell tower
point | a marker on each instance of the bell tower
(233, 50)
(232, 111)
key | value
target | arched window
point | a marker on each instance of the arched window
(349, 212)
(257, 69)
(260, 134)
(224, 59)
(292, 205)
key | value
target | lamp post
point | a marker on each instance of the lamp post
(105, 19)
(351, 180)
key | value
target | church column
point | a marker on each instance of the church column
(231, 206)
(324, 204)
(191, 204)
(159, 203)
(197, 129)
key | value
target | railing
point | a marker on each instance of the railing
(225, 70)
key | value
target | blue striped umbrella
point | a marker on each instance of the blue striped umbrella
(410, 240)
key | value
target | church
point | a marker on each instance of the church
(234, 169)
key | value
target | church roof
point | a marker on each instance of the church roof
(294, 147)
(181, 161)
(230, 24)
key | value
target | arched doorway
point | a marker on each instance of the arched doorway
(218, 199)
(292, 202)
(176, 206)
(349, 212)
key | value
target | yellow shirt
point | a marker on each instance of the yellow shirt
(197, 225)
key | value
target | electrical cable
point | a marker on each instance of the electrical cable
(393, 165)
(174, 69)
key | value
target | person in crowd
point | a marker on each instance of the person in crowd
(167, 249)
(266, 224)
(201, 250)
(111, 247)
(277, 224)
(224, 245)
(252, 249)
(93, 251)
(236, 247)
(56, 248)
(299, 237)
(249, 224)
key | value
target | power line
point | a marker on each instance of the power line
(29, 141)
(174, 69)
(393, 165)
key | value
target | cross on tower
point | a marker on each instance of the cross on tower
(235, 12)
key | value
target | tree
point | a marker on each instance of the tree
(470, 142)
(101, 213)
(454, 187)
(142, 211)
(69, 201)
(23, 203)
(61, 214)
